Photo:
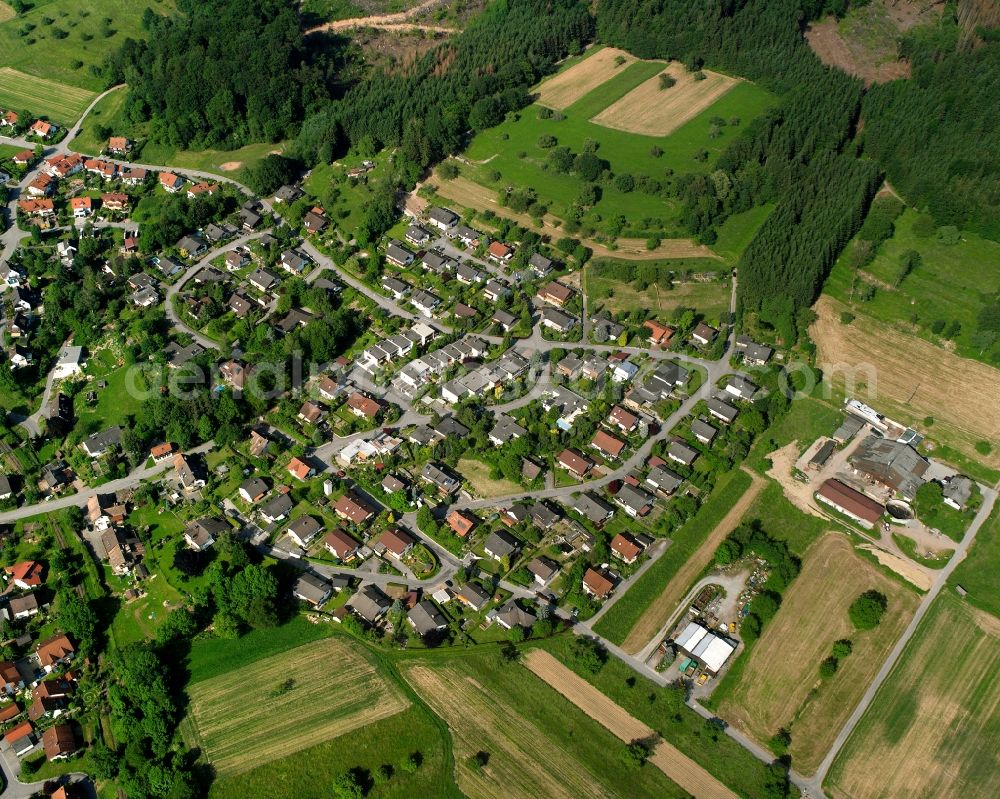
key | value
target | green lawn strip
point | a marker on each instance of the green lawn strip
(664, 710)
(387, 741)
(623, 615)
(737, 231)
(783, 521)
(977, 574)
(613, 89)
(210, 657)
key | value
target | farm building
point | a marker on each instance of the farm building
(864, 510)
(710, 650)
(892, 464)
(818, 461)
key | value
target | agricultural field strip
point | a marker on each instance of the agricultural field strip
(40, 96)
(932, 729)
(320, 705)
(524, 762)
(894, 367)
(776, 686)
(671, 761)
(649, 110)
(566, 87)
(658, 613)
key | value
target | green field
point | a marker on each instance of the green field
(616, 624)
(106, 113)
(977, 574)
(953, 282)
(933, 727)
(59, 102)
(512, 149)
(710, 299)
(737, 231)
(307, 774)
(61, 39)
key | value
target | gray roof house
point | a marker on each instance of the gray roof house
(312, 589)
(97, 444)
(501, 545)
(370, 602)
(426, 619)
(593, 508)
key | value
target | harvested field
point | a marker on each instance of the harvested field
(779, 685)
(833, 50)
(524, 762)
(62, 103)
(659, 611)
(470, 194)
(671, 761)
(6, 12)
(931, 732)
(565, 88)
(285, 703)
(537, 744)
(652, 111)
(910, 378)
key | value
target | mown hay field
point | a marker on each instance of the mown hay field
(285, 703)
(931, 732)
(63, 104)
(650, 110)
(780, 686)
(570, 84)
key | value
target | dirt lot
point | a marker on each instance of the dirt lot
(671, 761)
(470, 194)
(652, 111)
(909, 378)
(6, 12)
(304, 705)
(562, 90)
(776, 687)
(658, 613)
(932, 730)
(825, 40)
(906, 569)
(798, 493)
(524, 761)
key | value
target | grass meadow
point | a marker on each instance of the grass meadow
(933, 727)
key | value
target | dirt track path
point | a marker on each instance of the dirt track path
(398, 21)
(659, 611)
(670, 760)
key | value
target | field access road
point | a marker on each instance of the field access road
(815, 783)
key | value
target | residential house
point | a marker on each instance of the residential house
(722, 411)
(294, 262)
(461, 522)
(467, 275)
(557, 320)
(299, 469)
(185, 474)
(596, 584)
(398, 255)
(703, 431)
(59, 742)
(659, 335)
(11, 681)
(543, 570)
(97, 444)
(171, 182)
(496, 290)
(624, 420)
(118, 145)
(21, 607)
(473, 595)
(394, 542)
(425, 302)
(353, 508)
(21, 739)
(310, 413)
(753, 353)
(396, 287)
(42, 129)
(253, 489)
(311, 589)
(417, 236)
(609, 446)
(663, 480)
(445, 482)
(201, 534)
(555, 293)
(500, 252)
(442, 218)
(363, 406)
(681, 453)
(505, 429)
(500, 545)
(540, 265)
(276, 508)
(191, 246)
(703, 335)
(263, 280)
(304, 529)
(55, 651)
(592, 508)
(115, 201)
(341, 545)
(512, 615)
(287, 194)
(636, 501)
(576, 464)
(741, 388)
(370, 603)
(504, 320)
(625, 548)
(426, 619)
